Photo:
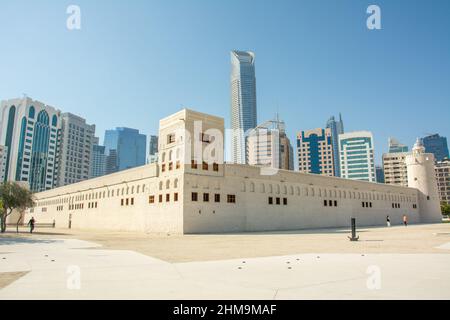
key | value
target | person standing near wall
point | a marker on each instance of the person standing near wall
(388, 221)
(31, 224)
(405, 220)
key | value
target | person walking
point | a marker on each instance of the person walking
(31, 224)
(405, 220)
(388, 221)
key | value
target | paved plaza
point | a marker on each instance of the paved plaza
(387, 263)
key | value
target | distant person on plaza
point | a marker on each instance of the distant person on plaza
(388, 221)
(31, 224)
(405, 220)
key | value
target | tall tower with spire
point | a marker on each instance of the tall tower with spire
(337, 128)
(422, 176)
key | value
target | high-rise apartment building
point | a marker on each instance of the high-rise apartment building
(395, 169)
(337, 128)
(357, 156)
(315, 151)
(31, 132)
(443, 179)
(268, 146)
(437, 145)
(396, 147)
(3, 156)
(153, 150)
(75, 156)
(125, 148)
(243, 102)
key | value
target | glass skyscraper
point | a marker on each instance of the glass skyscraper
(357, 156)
(337, 128)
(395, 146)
(437, 145)
(125, 148)
(31, 131)
(243, 102)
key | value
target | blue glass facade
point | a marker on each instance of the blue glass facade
(337, 128)
(129, 148)
(243, 101)
(357, 158)
(437, 145)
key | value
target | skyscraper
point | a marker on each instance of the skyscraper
(379, 173)
(395, 169)
(243, 102)
(437, 145)
(315, 151)
(98, 163)
(129, 146)
(357, 156)
(337, 128)
(153, 149)
(443, 179)
(31, 131)
(77, 139)
(395, 146)
(268, 145)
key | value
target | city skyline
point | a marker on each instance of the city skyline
(412, 79)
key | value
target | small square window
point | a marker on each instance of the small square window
(194, 196)
(151, 199)
(205, 165)
(278, 201)
(193, 164)
(217, 197)
(231, 198)
(160, 198)
(215, 167)
(335, 203)
(206, 197)
(285, 201)
(270, 200)
(325, 203)
(175, 197)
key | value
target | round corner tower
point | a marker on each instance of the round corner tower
(422, 176)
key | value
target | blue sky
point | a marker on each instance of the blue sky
(134, 62)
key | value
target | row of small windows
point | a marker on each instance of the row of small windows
(96, 195)
(151, 199)
(277, 201)
(231, 198)
(205, 166)
(127, 202)
(311, 191)
(330, 203)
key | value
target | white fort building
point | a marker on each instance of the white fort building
(191, 190)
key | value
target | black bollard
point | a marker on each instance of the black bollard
(354, 237)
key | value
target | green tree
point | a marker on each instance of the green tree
(14, 197)
(445, 208)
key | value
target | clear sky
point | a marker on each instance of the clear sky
(134, 62)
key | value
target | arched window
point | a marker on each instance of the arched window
(270, 188)
(243, 186)
(167, 184)
(160, 185)
(178, 153)
(170, 155)
(54, 121)
(31, 113)
(277, 188)
(262, 188)
(175, 183)
(252, 187)
(163, 157)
